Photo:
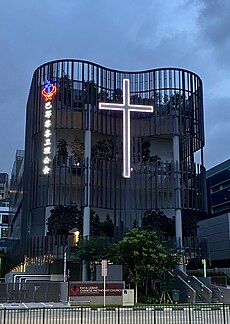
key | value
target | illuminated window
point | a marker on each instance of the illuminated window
(4, 232)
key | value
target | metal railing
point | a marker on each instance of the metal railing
(158, 314)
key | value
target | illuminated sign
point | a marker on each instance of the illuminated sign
(126, 107)
(96, 289)
(48, 92)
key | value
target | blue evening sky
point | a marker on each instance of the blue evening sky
(121, 34)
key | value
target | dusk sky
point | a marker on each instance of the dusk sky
(123, 34)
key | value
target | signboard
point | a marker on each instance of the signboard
(96, 289)
(104, 268)
(48, 92)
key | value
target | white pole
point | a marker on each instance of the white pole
(64, 266)
(177, 179)
(87, 178)
(104, 291)
(205, 268)
(104, 273)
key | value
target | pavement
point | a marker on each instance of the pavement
(33, 305)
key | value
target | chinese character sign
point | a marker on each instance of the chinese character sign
(48, 91)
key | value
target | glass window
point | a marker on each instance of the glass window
(4, 232)
(5, 219)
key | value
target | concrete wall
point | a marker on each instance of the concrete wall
(64, 292)
(115, 273)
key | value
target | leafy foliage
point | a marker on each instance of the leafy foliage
(143, 153)
(189, 223)
(77, 150)
(118, 95)
(90, 92)
(65, 89)
(96, 249)
(108, 227)
(103, 150)
(62, 152)
(65, 218)
(154, 219)
(142, 255)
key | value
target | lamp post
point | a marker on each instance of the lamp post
(65, 263)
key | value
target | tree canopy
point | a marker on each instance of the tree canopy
(62, 152)
(96, 249)
(64, 218)
(155, 219)
(142, 255)
(103, 150)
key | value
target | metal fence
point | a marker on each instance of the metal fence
(29, 292)
(205, 314)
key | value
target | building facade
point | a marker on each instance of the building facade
(4, 185)
(4, 216)
(4, 209)
(216, 227)
(74, 151)
(218, 189)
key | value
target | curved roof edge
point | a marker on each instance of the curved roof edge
(116, 70)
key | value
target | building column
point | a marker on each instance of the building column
(177, 188)
(87, 186)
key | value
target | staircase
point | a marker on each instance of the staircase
(199, 300)
(194, 291)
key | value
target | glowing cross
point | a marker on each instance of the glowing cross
(126, 107)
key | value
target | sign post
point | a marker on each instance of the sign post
(205, 267)
(65, 263)
(104, 272)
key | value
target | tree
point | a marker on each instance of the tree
(103, 150)
(65, 218)
(143, 153)
(96, 228)
(95, 250)
(172, 101)
(155, 219)
(90, 92)
(65, 89)
(103, 95)
(77, 150)
(62, 152)
(175, 100)
(108, 227)
(118, 95)
(142, 255)
(189, 223)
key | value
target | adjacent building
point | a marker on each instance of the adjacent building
(76, 153)
(4, 209)
(216, 227)
(4, 186)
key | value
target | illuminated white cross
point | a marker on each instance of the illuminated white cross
(126, 107)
